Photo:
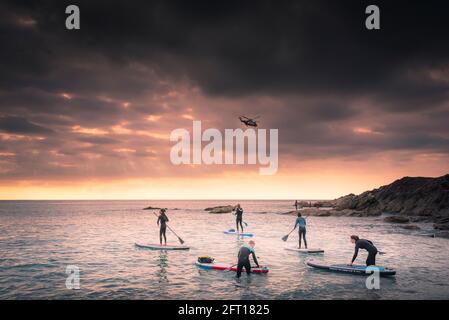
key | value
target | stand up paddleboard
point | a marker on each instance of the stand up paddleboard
(305, 251)
(354, 269)
(228, 267)
(233, 232)
(161, 247)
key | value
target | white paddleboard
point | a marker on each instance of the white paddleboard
(305, 251)
(161, 247)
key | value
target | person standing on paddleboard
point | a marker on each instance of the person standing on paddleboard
(239, 217)
(162, 223)
(243, 258)
(368, 246)
(301, 224)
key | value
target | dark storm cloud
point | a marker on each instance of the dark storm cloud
(17, 125)
(98, 140)
(324, 75)
(236, 48)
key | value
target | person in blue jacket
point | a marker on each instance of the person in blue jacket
(301, 224)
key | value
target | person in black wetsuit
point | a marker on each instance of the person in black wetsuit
(243, 258)
(368, 246)
(239, 217)
(162, 222)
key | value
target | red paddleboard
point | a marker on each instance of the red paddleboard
(228, 267)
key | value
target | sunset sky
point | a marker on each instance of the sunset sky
(87, 114)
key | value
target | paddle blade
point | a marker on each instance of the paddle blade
(284, 238)
(245, 223)
(180, 240)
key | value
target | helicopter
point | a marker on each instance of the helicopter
(248, 121)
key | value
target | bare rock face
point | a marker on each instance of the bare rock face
(220, 209)
(416, 199)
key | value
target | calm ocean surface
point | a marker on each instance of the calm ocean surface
(39, 239)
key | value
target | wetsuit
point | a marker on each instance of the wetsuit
(161, 221)
(239, 218)
(368, 246)
(243, 260)
(301, 223)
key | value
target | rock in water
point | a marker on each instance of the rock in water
(220, 209)
(397, 219)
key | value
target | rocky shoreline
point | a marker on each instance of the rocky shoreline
(405, 201)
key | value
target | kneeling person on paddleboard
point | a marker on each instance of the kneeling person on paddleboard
(162, 223)
(368, 246)
(243, 258)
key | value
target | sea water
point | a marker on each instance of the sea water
(40, 239)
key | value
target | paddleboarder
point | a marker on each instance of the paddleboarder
(162, 223)
(368, 246)
(243, 258)
(301, 224)
(239, 217)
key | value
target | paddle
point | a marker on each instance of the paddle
(179, 238)
(230, 268)
(285, 238)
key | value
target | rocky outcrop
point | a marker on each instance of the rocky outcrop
(323, 204)
(316, 204)
(220, 209)
(152, 208)
(304, 204)
(419, 199)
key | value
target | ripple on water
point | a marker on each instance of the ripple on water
(39, 240)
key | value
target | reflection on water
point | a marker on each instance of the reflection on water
(162, 261)
(39, 239)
